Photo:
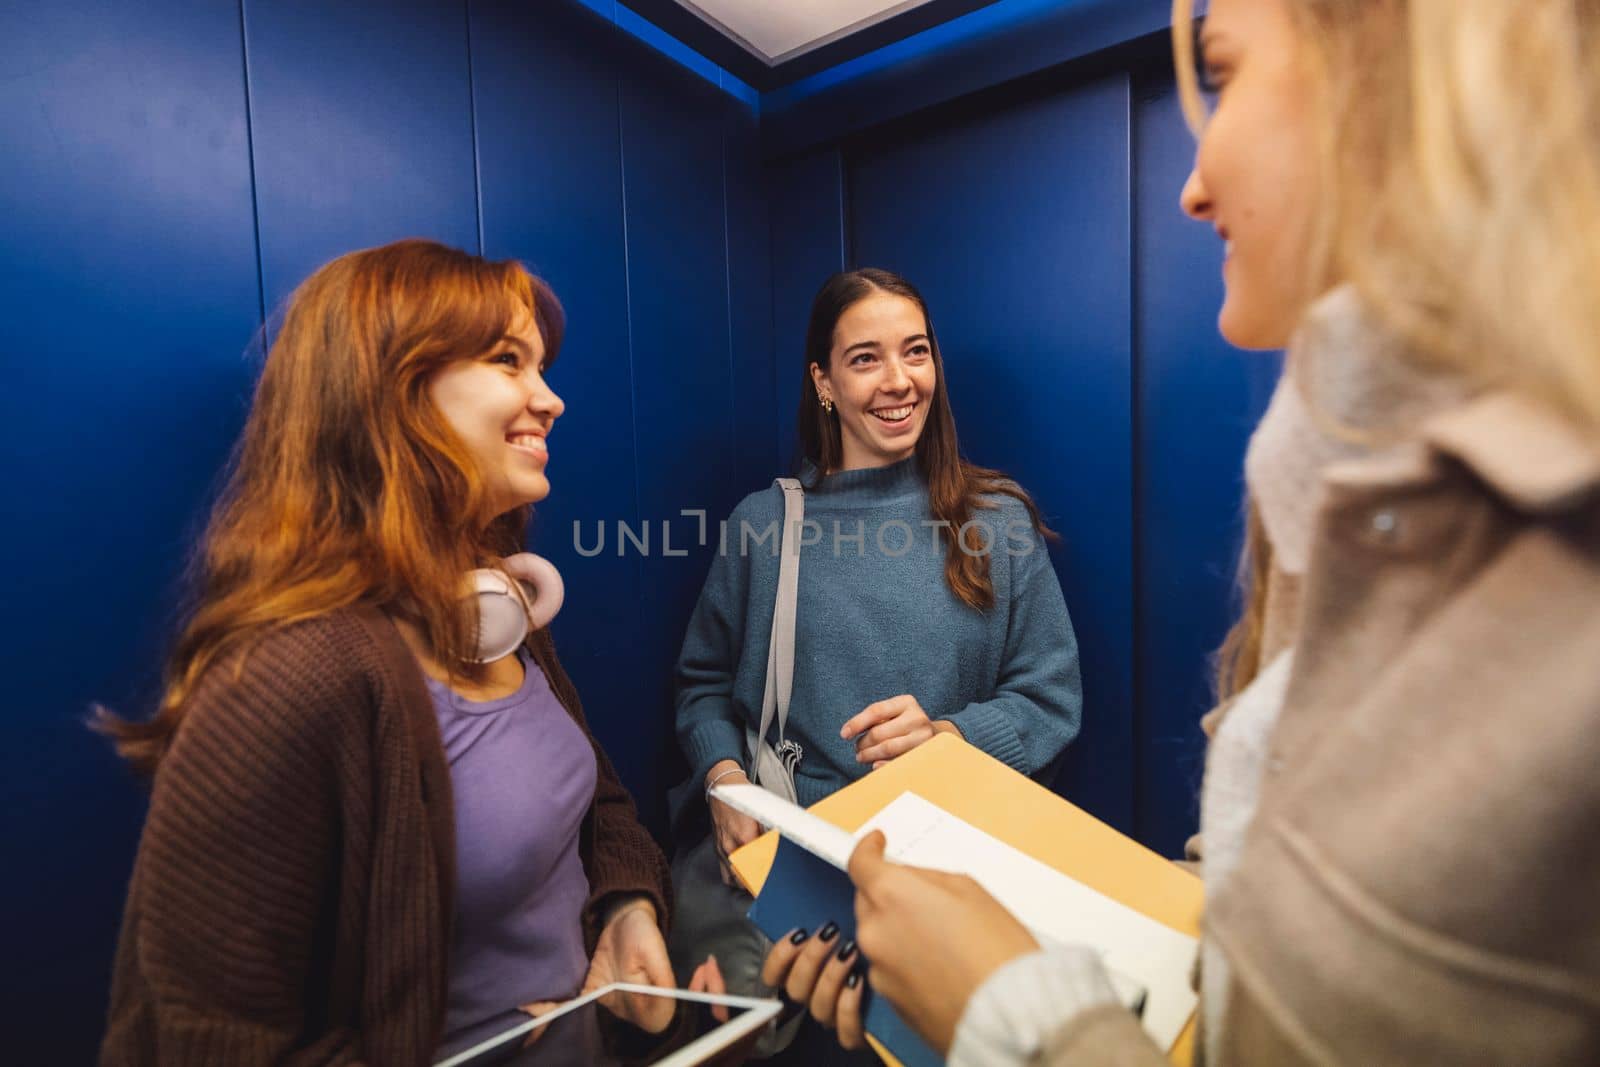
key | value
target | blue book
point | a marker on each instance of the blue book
(806, 892)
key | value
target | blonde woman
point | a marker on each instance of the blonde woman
(1401, 794)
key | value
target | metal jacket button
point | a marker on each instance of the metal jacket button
(1385, 526)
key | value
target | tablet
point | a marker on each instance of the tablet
(599, 1029)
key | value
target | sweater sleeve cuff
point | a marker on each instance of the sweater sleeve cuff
(1025, 1001)
(603, 899)
(990, 729)
(604, 904)
(710, 743)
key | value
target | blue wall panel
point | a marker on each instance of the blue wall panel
(808, 245)
(750, 305)
(673, 167)
(1198, 400)
(361, 113)
(128, 285)
(560, 213)
(1015, 225)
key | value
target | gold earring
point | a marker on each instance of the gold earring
(827, 405)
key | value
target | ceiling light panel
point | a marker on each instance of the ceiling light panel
(778, 30)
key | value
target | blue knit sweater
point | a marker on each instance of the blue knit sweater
(875, 618)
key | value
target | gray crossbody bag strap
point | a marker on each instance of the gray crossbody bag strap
(773, 768)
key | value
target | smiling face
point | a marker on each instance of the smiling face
(501, 408)
(880, 378)
(1255, 173)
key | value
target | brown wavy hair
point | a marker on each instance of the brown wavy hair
(347, 485)
(956, 488)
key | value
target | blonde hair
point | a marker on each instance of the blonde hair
(1460, 155)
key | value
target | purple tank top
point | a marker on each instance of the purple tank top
(523, 775)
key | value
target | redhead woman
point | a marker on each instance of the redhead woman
(1400, 798)
(379, 824)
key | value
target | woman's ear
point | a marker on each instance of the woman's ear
(819, 379)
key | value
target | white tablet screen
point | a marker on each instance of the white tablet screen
(623, 1026)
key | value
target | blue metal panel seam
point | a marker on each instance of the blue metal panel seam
(727, 288)
(627, 291)
(1136, 494)
(772, 308)
(846, 223)
(472, 113)
(250, 151)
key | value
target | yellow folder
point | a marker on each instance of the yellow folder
(1013, 808)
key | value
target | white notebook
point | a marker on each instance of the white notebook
(1142, 955)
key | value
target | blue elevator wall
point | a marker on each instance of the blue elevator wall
(1015, 225)
(678, 280)
(128, 268)
(361, 117)
(808, 244)
(143, 246)
(751, 355)
(559, 212)
(1077, 310)
(1198, 399)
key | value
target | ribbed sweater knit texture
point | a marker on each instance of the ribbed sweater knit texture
(875, 618)
(292, 898)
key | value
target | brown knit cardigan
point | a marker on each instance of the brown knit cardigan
(292, 898)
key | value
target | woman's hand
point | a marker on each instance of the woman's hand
(707, 978)
(892, 728)
(820, 974)
(536, 1009)
(933, 938)
(730, 830)
(631, 949)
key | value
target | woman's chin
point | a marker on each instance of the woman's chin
(1246, 327)
(524, 493)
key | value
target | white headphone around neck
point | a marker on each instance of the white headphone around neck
(521, 595)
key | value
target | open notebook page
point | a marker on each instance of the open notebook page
(1139, 952)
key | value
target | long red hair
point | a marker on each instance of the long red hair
(347, 486)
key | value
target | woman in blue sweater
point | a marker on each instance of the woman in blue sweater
(926, 601)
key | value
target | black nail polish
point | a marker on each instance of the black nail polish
(828, 933)
(847, 950)
(797, 937)
(853, 981)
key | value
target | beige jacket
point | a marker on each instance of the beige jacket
(1421, 884)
